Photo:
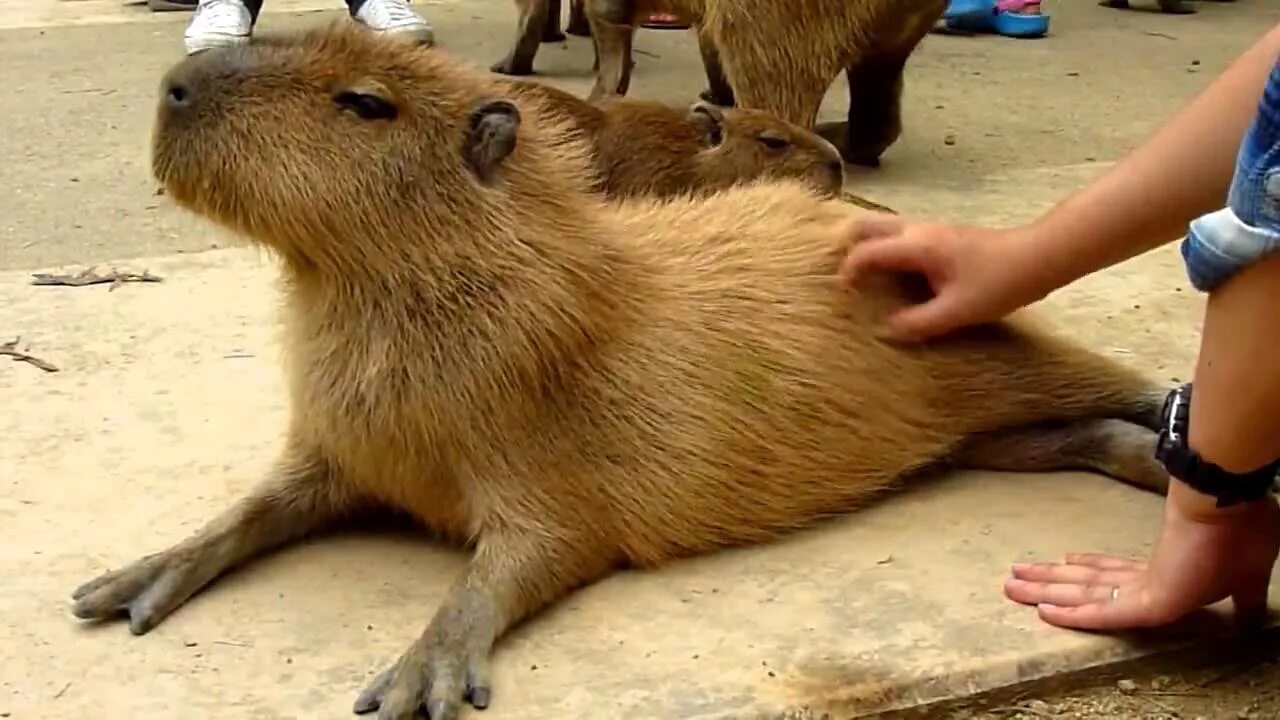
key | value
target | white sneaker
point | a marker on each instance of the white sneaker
(218, 23)
(395, 17)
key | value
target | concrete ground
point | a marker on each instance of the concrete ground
(167, 405)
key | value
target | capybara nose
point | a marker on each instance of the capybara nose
(177, 95)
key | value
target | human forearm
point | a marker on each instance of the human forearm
(1181, 172)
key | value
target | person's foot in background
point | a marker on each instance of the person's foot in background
(393, 17)
(222, 23)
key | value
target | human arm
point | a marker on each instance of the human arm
(1147, 199)
(1180, 173)
(1205, 554)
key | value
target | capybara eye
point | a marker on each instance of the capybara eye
(369, 107)
(774, 142)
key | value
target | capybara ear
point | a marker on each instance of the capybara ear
(709, 119)
(491, 136)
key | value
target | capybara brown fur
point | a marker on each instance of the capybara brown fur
(782, 56)
(650, 148)
(567, 384)
(539, 22)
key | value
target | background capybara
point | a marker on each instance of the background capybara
(649, 148)
(539, 22)
(566, 383)
(545, 14)
(782, 56)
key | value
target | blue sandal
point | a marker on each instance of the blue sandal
(999, 17)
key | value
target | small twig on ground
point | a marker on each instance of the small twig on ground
(11, 349)
(89, 277)
(1014, 709)
(1153, 33)
(63, 691)
(233, 643)
(865, 203)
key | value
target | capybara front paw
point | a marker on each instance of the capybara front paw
(437, 674)
(509, 66)
(146, 591)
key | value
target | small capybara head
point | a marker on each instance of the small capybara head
(304, 141)
(755, 143)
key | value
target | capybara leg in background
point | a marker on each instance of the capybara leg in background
(551, 27)
(875, 111)
(1116, 448)
(512, 575)
(718, 91)
(876, 81)
(298, 498)
(578, 24)
(536, 18)
(613, 32)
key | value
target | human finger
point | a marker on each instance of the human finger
(1128, 610)
(1056, 593)
(915, 323)
(1105, 562)
(1070, 573)
(892, 253)
(871, 225)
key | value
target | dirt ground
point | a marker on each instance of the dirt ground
(996, 130)
(1233, 691)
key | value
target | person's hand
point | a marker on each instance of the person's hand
(977, 274)
(1200, 559)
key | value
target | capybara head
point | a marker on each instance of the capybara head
(755, 143)
(305, 140)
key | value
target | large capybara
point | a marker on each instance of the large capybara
(539, 22)
(782, 56)
(568, 384)
(649, 148)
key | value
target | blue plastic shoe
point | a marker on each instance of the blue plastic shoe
(998, 18)
(962, 10)
(1017, 24)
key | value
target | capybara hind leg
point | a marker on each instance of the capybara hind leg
(1117, 448)
(613, 33)
(510, 577)
(578, 24)
(718, 91)
(529, 29)
(299, 498)
(551, 26)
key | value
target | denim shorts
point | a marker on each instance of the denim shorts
(1225, 241)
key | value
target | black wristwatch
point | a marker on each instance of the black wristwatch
(1205, 477)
